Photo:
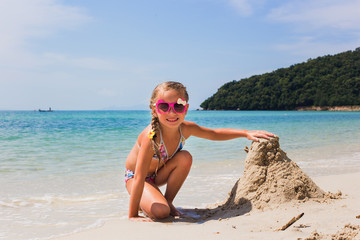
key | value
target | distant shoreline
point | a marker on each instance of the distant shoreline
(354, 108)
(328, 108)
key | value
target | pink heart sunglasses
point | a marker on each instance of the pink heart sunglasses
(164, 107)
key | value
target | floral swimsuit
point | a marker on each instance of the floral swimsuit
(129, 174)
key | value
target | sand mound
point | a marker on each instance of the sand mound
(270, 177)
(347, 232)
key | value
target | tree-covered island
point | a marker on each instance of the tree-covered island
(324, 82)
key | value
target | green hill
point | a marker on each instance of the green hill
(332, 80)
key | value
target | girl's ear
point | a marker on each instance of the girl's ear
(187, 108)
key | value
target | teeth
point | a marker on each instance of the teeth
(172, 120)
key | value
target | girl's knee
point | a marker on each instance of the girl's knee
(186, 160)
(160, 211)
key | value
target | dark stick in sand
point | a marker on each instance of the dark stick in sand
(294, 219)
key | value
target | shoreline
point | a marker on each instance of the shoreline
(353, 108)
(331, 109)
(321, 218)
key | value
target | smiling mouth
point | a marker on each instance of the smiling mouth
(172, 120)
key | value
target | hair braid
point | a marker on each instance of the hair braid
(155, 126)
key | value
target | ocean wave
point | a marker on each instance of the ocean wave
(49, 200)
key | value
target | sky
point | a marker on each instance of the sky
(110, 54)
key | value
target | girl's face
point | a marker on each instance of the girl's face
(170, 118)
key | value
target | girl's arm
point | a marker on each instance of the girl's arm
(141, 169)
(222, 134)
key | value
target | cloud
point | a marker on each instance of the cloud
(315, 14)
(310, 47)
(242, 6)
(82, 62)
(318, 27)
(29, 18)
(246, 8)
(24, 20)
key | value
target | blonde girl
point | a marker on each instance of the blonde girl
(157, 157)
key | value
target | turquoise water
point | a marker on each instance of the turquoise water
(62, 171)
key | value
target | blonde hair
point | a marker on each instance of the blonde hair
(155, 124)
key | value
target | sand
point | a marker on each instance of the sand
(270, 178)
(272, 191)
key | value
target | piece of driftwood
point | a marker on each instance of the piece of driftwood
(294, 219)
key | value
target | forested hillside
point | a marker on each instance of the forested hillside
(332, 80)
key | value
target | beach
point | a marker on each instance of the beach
(62, 175)
(273, 199)
(325, 218)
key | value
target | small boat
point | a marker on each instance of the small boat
(50, 110)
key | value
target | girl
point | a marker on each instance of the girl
(157, 157)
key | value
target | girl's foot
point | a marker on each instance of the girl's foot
(173, 211)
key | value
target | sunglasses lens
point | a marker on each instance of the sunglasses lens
(164, 107)
(179, 108)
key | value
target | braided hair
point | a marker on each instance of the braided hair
(155, 124)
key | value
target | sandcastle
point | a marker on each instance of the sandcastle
(270, 178)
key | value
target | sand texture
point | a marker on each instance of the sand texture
(270, 178)
(274, 199)
(348, 232)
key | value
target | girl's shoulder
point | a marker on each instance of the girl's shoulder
(187, 128)
(188, 124)
(144, 144)
(143, 136)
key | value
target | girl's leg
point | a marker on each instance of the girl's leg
(174, 174)
(152, 202)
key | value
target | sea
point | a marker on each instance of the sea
(62, 172)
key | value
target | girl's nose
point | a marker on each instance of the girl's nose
(172, 110)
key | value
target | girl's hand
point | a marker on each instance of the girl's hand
(140, 219)
(255, 135)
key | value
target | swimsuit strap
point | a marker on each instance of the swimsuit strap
(181, 136)
(180, 145)
(161, 140)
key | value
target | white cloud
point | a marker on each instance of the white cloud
(316, 14)
(319, 27)
(38, 17)
(242, 6)
(23, 20)
(310, 47)
(82, 62)
(246, 8)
